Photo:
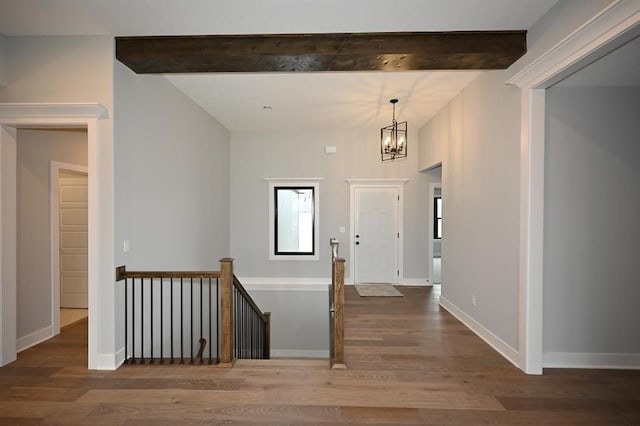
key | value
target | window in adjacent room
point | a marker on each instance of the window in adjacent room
(437, 218)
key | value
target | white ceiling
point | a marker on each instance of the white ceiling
(301, 100)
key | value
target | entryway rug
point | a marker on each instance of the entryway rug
(377, 290)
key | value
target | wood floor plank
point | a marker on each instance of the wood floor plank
(409, 362)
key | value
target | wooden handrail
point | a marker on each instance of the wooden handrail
(122, 273)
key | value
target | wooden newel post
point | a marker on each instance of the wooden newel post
(267, 336)
(226, 311)
(337, 357)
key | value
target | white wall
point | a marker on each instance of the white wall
(255, 156)
(171, 177)
(35, 150)
(433, 140)
(74, 69)
(592, 206)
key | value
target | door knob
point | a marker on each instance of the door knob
(357, 243)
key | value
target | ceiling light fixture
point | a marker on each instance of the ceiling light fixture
(393, 138)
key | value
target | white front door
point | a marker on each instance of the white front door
(376, 235)
(73, 203)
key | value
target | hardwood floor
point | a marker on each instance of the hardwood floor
(409, 362)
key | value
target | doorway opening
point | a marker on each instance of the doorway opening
(39, 222)
(69, 243)
(100, 167)
(436, 236)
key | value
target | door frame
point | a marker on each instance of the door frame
(54, 219)
(87, 115)
(354, 184)
(432, 188)
(613, 26)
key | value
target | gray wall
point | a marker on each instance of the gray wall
(592, 206)
(477, 138)
(299, 321)
(479, 131)
(36, 148)
(74, 69)
(259, 155)
(171, 181)
(171, 177)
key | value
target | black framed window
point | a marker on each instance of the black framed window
(437, 218)
(294, 220)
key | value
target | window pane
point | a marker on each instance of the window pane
(439, 229)
(438, 207)
(294, 220)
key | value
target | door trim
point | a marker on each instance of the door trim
(614, 25)
(12, 117)
(430, 256)
(54, 218)
(376, 183)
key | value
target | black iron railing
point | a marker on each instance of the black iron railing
(191, 317)
(171, 316)
(251, 326)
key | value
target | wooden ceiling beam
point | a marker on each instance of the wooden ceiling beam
(467, 50)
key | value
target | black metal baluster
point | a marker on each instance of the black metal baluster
(126, 313)
(237, 326)
(141, 320)
(244, 328)
(161, 325)
(151, 318)
(201, 322)
(133, 320)
(171, 315)
(236, 308)
(217, 324)
(253, 335)
(181, 322)
(191, 315)
(210, 340)
(250, 326)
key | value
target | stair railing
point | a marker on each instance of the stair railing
(191, 316)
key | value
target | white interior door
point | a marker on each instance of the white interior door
(376, 235)
(73, 203)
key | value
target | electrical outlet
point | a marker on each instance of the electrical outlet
(473, 299)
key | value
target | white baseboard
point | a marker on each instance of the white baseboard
(34, 338)
(294, 353)
(416, 282)
(618, 361)
(484, 333)
(110, 361)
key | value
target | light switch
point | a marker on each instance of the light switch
(342, 230)
(126, 246)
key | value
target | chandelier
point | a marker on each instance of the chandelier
(393, 138)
